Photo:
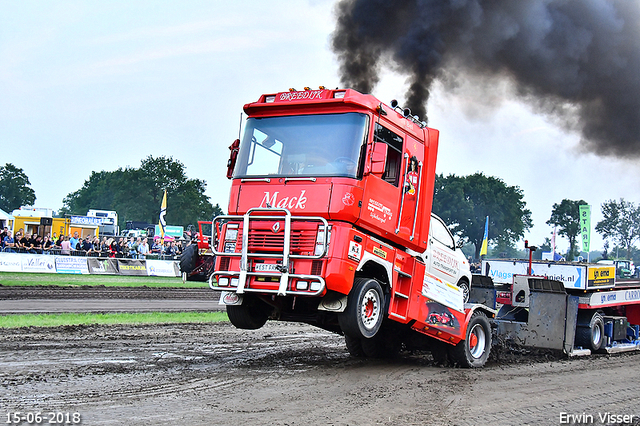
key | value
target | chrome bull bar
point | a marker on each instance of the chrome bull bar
(283, 274)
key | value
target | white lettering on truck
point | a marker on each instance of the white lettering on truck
(291, 203)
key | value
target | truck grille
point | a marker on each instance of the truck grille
(265, 240)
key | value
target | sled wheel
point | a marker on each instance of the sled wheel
(364, 313)
(590, 334)
(474, 350)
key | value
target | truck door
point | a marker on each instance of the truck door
(391, 199)
(381, 196)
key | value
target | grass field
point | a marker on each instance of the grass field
(56, 320)
(27, 279)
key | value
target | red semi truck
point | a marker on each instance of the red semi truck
(330, 224)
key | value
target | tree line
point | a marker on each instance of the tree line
(134, 192)
(463, 202)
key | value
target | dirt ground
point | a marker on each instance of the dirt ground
(292, 374)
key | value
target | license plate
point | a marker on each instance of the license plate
(266, 267)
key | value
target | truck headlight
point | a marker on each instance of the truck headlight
(320, 238)
(230, 238)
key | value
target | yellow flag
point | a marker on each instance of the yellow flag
(163, 211)
(485, 240)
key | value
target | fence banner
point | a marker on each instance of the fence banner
(10, 262)
(132, 267)
(162, 268)
(102, 266)
(38, 263)
(71, 265)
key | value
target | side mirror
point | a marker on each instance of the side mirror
(460, 243)
(231, 164)
(379, 158)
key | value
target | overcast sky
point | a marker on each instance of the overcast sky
(93, 85)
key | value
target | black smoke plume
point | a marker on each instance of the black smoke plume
(576, 60)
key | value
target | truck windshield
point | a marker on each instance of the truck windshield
(303, 145)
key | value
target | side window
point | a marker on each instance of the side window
(394, 154)
(440, 232)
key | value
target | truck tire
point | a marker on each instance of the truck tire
(473, 351)
(463, 285)
(248, 316)
(354, 346)
(385, 344)
(188, 259)
(590, 331)
(365, 309)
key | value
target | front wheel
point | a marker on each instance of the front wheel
(473, 351)
(251, 315)
(365, 309)
(464, 286)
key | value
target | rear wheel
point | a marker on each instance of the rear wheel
(188, 259)
(590, 331)
(365, 311)
(474, 350)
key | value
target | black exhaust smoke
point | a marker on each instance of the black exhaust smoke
(575, 60)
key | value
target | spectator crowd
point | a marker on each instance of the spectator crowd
(75, 245)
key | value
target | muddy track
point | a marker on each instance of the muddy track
(292, 374)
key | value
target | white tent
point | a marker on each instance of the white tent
(6, 219)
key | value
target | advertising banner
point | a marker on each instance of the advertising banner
(132, 267)
(585, 226)
(38, 263)
(10, 262)
(162, 268)
(102, 266)
(71, 265)
(442, 292)
(502, 272)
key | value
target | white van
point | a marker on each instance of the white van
(444, 259)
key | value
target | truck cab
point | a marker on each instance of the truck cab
(330, 220)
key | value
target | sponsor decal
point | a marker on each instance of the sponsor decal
(38, 263)
(442, 292)
(102, 266)
(348, 199)
(71, 265)
(355, 251)
(132, 267)
(230, 298)
(162, 268)
(291, 203)
(85, 220)
(601, 276)
(445, 262)
(379, 211)
(379, 252)
(309, 95)
(10, 262)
